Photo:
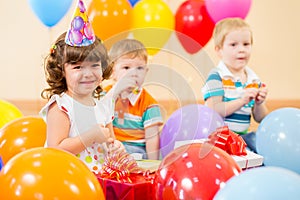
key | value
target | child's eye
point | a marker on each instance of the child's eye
(246, 44)
(140, 68)
(96, 65)
(126, 67)
(77, 67)
(233, 44)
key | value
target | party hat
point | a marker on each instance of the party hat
(81, 32)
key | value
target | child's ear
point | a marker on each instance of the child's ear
(113, 74)
(218, 50)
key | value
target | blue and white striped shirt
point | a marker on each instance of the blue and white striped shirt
(221, 82)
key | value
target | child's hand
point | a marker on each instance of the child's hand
(116, 145)
(97, 134)
(261, 96)
(249, 94)
(126, 84)
(102, 134)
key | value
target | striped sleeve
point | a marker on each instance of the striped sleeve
(213, 85)
(152, 116)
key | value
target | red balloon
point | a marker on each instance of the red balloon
(194, 171)
(193, 25)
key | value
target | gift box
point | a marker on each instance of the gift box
(122, 177)
(139, 188)
(248, 161)
(244, 161)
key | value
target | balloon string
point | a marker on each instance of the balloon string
(50, 36)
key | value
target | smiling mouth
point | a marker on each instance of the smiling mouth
(88, 81)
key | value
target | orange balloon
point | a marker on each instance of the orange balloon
(48, 173)
(110, 18)
(21, 134)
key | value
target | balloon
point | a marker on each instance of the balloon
(193, 25)
(48, 173)
(133, 2)
(8, 112)
(278, 139)
(194, 171)
(261, 183)
(220, 9)
(1, 163)
(50, 12)
(21, 134)
(194, 121)
(152, 24)
(110, 18)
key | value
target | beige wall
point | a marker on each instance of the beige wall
(174, 73)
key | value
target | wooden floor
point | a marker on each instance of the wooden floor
(32, 107)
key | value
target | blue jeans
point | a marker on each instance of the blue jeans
(250, 139)
(132, 148)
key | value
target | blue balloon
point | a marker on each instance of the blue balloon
(50, 12)
(278, 139)
(261, 183)
(133, 2)
(1, 163)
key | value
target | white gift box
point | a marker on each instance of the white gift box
(248, 161)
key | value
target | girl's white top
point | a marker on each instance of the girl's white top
(82, 118)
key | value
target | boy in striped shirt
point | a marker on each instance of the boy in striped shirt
(137, 113)
(232, 88)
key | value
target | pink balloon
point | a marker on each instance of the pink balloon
(220, 9)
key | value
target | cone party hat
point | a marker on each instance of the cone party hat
(81, 32)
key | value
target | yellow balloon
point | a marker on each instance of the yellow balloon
(152, 23)
(8, 112)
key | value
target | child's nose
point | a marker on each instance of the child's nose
(242, 48)
(87, 72)
(134, 73)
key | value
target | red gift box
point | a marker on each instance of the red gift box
(141, 187)
(122, 178)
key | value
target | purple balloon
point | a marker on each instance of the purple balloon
(194, 121)
(77, 23)
(76, 37)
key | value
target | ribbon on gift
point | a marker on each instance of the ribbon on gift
(120, 166)
(229, 141)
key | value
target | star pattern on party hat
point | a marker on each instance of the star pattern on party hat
(81, 32)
